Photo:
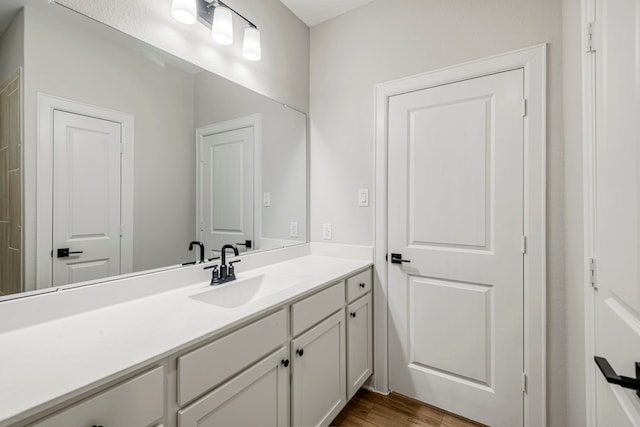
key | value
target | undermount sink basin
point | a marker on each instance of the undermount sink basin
(240, 292)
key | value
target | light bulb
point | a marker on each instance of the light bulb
(251, 44)
(184, 11)
(222, 27)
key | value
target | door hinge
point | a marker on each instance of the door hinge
(593, 278)
(524, 108)
(121, 230)
(524, 244)
(589, 38)
(524, 382)
(122, 148)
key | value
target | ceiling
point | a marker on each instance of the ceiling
(314, 12)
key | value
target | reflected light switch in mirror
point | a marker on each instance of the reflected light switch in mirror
(293, 229)
(266, 199)
(363, 197)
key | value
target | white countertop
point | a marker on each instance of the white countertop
(44, 364)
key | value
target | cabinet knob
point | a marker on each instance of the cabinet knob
(300, 352)
(353, 315)
(285, 363)
(362, 285)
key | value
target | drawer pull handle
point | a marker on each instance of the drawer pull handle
(362, 285)
(285, 363)
(353, 315)
(300, 352)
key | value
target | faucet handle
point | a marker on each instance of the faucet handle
(233, 262)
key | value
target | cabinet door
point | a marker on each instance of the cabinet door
(258, 396)
(319, 377)
(359, 344)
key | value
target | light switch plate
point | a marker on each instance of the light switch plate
(363, 197)
(326, 231)
(266, 199)
(293, 229)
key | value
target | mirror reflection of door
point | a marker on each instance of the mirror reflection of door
(10, 186)
(86, 198)
(227, 189)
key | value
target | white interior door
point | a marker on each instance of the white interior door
(617, 210)
(86, 198)
(227, 188)
(456, 212)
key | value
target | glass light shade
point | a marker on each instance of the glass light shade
(222, 28)
(184, 11)
(251, 44)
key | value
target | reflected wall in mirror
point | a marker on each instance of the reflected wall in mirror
(115, 155)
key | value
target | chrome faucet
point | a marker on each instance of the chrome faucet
(226, 272)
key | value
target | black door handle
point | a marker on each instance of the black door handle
(247, 244)
(613, 378)
(64, 252)
(397, 259)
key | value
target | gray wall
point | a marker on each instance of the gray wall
(282, 74)
(65, 61)
(389, 40)
(12, 48)
(284, 144)
(576, 287)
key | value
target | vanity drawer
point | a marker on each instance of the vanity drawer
(358, 285)
(312, 310)
(209, 365)
(137, 402)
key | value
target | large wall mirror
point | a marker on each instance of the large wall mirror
(115, 155)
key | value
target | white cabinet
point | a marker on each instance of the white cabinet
(318, 363)
(258, 396)
(134, 403)
(359, 344)
(206, 367)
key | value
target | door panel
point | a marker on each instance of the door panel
(617, 210)
(456, 212)
(86, 197)
(227, 188)
(451, 174)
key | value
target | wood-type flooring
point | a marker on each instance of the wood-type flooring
(369, 409)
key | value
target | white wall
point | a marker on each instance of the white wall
(576, 287)
(386, 40)
(86, 66)
(12, 48)
(283, 72)
(284, 150)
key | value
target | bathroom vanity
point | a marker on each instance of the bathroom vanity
(285, 344)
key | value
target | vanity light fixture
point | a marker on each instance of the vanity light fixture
(222, 26)
(184, 11)
(218, 16)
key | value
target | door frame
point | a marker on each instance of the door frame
(47, 104)
(254, 121)
(533, 61)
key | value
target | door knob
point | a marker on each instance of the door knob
(285, 363)
(64, 252)
(300, 352)
(397, 259)
(613, 378)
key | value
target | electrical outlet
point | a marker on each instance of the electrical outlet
(293, 229)
(266, 199)
(363, 197)
(326, 231)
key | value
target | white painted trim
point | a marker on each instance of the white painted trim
(44, 181)
(589, 208)
(254, 121)
(533, 61)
